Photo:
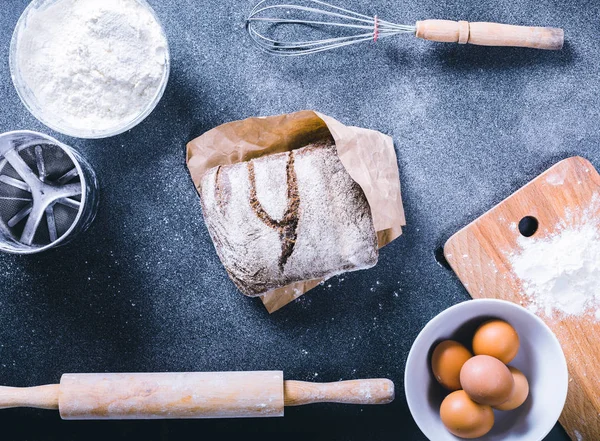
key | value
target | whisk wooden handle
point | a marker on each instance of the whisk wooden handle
(490, 34)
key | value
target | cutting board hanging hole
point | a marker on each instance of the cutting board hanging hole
(528, 226)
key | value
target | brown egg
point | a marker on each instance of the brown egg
(447, 361)
(498, 339)
(465, 418)
(519, 393)
(486, 380)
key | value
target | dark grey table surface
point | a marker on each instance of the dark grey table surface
(143, 289)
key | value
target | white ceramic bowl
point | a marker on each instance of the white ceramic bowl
(30, 102)
(540, 358)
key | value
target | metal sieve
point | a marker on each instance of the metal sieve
(48, 193)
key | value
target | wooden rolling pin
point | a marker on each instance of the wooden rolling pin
(188, 395)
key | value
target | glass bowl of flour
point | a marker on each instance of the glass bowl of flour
(89, 68)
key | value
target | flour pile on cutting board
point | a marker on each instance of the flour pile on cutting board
(560, 273)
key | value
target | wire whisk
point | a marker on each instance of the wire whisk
(265, 19)
(366, 28)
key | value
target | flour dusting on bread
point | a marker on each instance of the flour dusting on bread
(288, 217)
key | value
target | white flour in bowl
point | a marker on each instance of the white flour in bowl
(561, 273)
(94, 64)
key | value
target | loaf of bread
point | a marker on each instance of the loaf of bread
(288, 217)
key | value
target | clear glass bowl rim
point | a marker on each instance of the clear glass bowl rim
(28, 99)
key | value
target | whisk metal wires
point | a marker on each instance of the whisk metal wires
(325, 15)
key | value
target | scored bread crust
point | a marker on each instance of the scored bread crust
(288, 217)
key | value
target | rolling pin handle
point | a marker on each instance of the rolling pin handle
(376, 391)
(40, 397)
(490, 34)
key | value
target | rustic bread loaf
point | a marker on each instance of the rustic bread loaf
(288, 217)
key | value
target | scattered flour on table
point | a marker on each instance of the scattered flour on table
(93, 64)
(561, 273)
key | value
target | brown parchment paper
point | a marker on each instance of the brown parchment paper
(368, 156)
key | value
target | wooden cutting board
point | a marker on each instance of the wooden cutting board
(479, 255)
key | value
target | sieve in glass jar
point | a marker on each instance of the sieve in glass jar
(48, 193)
